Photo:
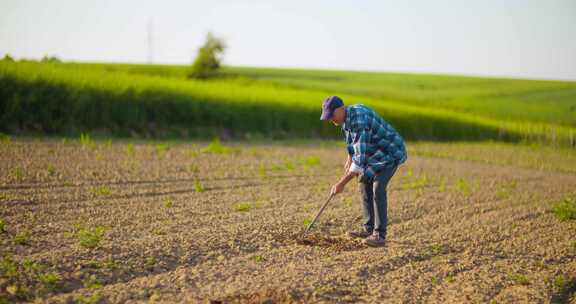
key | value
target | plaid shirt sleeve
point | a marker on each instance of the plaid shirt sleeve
(360, 137)
(359, 143)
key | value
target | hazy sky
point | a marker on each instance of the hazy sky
(518, 38)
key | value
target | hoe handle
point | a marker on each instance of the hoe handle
(319, 212)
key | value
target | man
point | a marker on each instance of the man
(375, 150)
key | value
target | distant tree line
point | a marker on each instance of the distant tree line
(45, 58)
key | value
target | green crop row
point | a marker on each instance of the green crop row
(541, 101)
(122, 100)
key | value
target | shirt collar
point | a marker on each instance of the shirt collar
(347, 120)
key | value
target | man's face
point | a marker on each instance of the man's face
(338, 116)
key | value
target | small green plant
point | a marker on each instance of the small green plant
(312, 161)
(90, 238)
(150, 262)
(49, 280)
(253, 152)
(434, 281)
(409, 173)
(31, 267)
(20, 292)
(22, 238)
(130, 149)
(520, 279)
(93, 264)
(86, 140)
(564, 289)
(450, 279)
(463, 187)
(289, 166)
(502, 193)
(442, 185)
(565, 210)
(416, 183)
(168, 203)
(243, 207)
(5, 197)
(436, 249)
(18, 173)
(504, 190)
(2, 226)
(101, 191)
(158, 231)
(560, 282)
(216, 147)
(161, 149)
(198, 186)
(92, 282)
(8, 267)
(51, 170)
(259, 258)
(110, 264)
(93, 299)
(262, 170)
(306, 221)
(193, 153)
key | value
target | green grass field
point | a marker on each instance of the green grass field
(511, 99)
(158, 101)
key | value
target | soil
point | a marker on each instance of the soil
(182, 225)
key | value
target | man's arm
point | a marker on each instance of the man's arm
(339, 187)
(348, 163)
(360, 140)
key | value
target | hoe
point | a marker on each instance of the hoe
(318, 214)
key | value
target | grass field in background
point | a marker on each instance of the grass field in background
(499, 98)
(158, 101)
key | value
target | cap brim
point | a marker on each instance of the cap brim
(325, 116)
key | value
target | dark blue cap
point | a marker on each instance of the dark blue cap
(330, 104)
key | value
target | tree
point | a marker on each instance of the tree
(8, 58)
(208, 60)
(50, 59)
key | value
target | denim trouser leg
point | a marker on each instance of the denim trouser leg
(374, 201)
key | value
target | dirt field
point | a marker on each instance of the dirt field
(117, 222)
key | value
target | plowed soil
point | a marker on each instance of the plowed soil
(118, 223)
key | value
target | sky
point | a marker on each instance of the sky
(511, 38)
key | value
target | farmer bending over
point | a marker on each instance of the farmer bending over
(375, 150)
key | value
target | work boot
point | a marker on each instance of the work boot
(360, 233)
(375, 240)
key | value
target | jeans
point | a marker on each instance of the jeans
(375, 202)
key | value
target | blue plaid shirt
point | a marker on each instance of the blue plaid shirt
(372, 142)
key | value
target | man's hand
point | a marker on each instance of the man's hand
(338, 188)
